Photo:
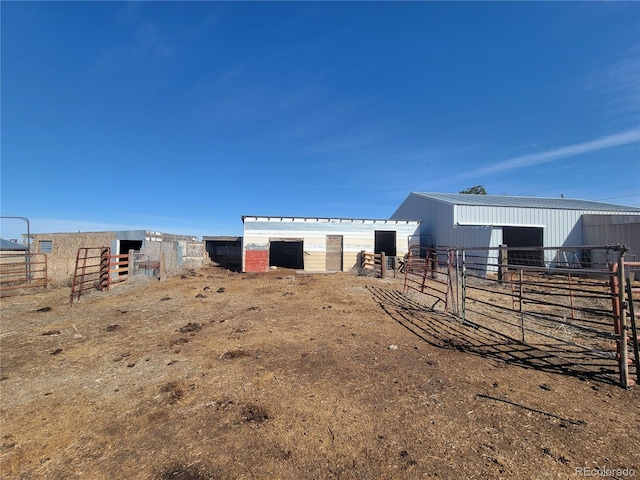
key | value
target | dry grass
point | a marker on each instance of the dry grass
(221, 375)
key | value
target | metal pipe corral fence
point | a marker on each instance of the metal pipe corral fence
(578, 300)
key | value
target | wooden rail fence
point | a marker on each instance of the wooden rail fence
(373, 264)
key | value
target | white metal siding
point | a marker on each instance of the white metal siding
(561, 227)
(357, 235)
(436, 217)
(315, 261)
(471, 225)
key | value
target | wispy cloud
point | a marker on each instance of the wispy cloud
(622, 138)
(618, 83)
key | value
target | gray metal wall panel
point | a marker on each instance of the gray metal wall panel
(468, 236)
(560, 226)
(131, 235)
(613, 229)
(436, 217)
(450, 224)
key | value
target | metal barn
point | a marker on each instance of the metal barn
(320, 244)
(492, 220)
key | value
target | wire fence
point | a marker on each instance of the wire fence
(572, 300)
(145, 264)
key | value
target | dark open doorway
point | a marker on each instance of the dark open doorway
(126, 245)
(527, 243)
(286, 254)
(385, 241)
(225, 251)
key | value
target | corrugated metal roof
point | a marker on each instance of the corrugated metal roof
(7, 245)
(524, 202)
(325, 219)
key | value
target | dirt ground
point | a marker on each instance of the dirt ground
(222, 375)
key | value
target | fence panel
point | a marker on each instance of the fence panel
(428, 272)
(145, 264)
(91, 272)
(373, 264)
(22, 270)
(570, 300)
(118, 268)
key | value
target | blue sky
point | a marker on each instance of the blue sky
(183, 116)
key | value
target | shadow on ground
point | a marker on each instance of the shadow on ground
(445, 331)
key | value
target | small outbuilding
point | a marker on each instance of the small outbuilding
(320, 244)
(150, 249)
(11, 246)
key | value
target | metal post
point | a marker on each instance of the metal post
(450, 281)
(28, 250)
(425, 272)
(464, 287)
(521, 310)
(104, 276)
(571, 296)
(407, 262)
(457, 282)
(622, 342)
(634, 330)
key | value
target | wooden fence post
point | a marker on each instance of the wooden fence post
(434, 264)
(503, 261)
(161, 266)
(383, 265)
(130, 263)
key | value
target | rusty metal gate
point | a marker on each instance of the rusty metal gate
(91, 272)
(22, 270)
(97, 269)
